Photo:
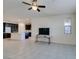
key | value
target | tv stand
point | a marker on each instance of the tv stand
(43, 36)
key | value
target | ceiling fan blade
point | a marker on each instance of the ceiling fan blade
(34, 1)
(30, 8)
(41, 6)
(26, 3)
(38, 10)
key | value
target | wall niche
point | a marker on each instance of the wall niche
(28, 27)
(28, 30)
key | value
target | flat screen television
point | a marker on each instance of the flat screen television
(43, 31)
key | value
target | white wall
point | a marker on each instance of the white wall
(56, 25)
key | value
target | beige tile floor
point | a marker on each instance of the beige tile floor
(26, 49)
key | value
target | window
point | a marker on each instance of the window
(7, 29)
(67, 27)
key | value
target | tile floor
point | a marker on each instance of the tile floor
(26, 49)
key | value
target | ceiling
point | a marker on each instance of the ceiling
(15, 8)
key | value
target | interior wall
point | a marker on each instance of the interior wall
(56, 25)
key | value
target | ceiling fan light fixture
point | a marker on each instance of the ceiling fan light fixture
(34, 7)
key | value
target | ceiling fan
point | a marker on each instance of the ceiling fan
(34, 5)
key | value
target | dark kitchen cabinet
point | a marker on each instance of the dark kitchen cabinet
(6, 35)
(14, 27)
